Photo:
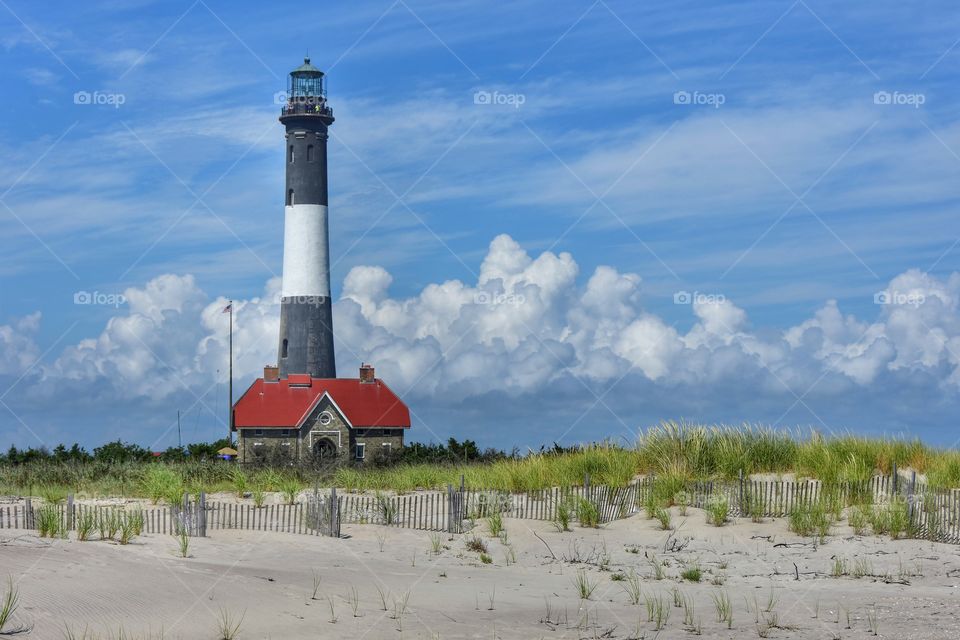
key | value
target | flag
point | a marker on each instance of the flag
(228, 308)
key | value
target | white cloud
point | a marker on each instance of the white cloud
(523, 325)
(17, 347)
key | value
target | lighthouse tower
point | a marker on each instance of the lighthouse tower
(306, 320)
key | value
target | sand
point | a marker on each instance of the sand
(911, 587)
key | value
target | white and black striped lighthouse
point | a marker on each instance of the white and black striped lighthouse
(306, 320)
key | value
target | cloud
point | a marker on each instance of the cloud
(18, 350)
(523, 330)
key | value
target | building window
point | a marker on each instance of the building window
(325, 418)
(291, 153)
(360, 450)
(283, 349)
(309, 153)
(387, 448)
(258, 432)
(285, 432)
(290, 199)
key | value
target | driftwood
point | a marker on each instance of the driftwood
(552, 554)
(672, 545)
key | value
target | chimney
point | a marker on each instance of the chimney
(366, 374)
(271, 373)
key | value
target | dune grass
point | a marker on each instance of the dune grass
(673, 452)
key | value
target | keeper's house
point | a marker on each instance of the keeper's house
(305, 419)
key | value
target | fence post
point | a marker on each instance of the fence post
(203, 514)
(586, 485)
(740, 495)
(69, 515)
(913, 486)
(450, 527)
(461, 504)
(182, 514)
(895, 477)
(334, 531)
(28, 514)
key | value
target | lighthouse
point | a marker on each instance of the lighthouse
(306, 319)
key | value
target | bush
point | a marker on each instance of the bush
(663, 516)
(807, 520)
(718, 511)
(562, 520)
(588, 515)
(48, 521)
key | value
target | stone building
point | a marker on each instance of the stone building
(301, 419)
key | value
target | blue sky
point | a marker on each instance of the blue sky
(781, 162)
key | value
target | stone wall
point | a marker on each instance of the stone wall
(270, 446)
(374, 440)
(324, 421)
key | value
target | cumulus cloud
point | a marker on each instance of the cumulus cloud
(525, 324)
(17, 347)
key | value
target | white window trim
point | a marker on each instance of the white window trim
(325, 433)
(360, 451)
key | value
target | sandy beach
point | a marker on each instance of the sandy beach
(380, 582)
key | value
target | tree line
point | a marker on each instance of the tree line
(453, 451)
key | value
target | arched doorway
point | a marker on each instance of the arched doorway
(324, 449)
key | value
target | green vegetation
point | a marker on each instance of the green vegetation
(811, 519)
(692, 572)
(588, 514)
(10, 603)
(718, 511)
(673, 453)
(584, 585)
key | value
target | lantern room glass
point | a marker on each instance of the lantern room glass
(306, 85)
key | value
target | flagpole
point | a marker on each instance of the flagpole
(230, 431)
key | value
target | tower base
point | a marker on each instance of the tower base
(306, 337)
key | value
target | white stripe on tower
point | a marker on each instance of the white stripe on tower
(306, 260)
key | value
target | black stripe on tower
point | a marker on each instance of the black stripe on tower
(306, 160)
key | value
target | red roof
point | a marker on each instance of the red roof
(287, 403)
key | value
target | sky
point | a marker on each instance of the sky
(550, 221)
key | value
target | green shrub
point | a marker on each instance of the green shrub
(387, 508)
(495, 524)
(718, 511)
(291, 488)
(692, 572)
(663, 516)
(86, 521)
(564, 514)
(48, 521)
(899, 518)
(811, 519)
(588, 514)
